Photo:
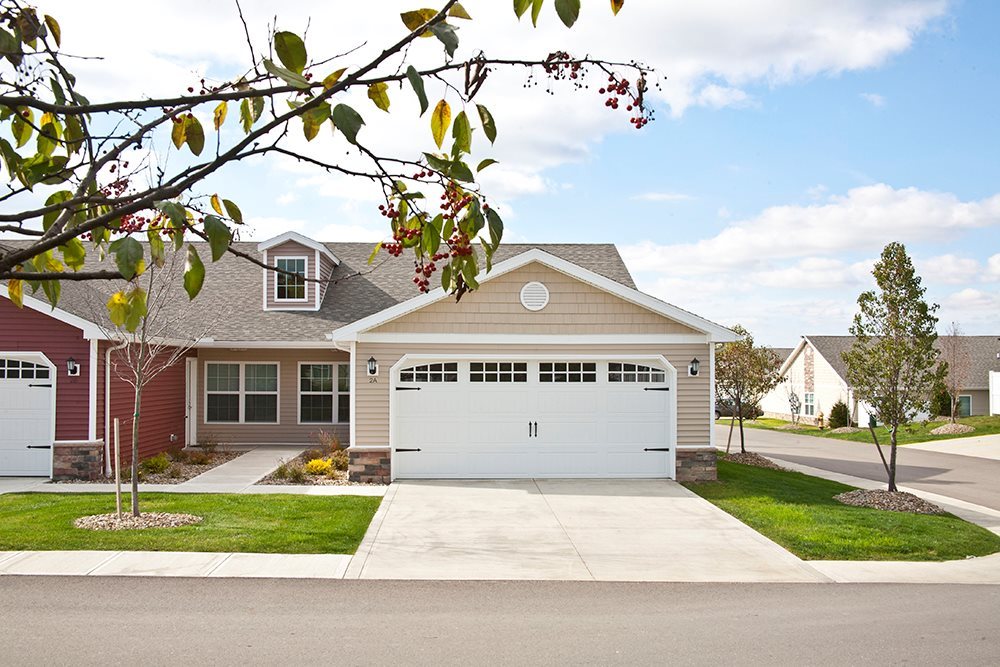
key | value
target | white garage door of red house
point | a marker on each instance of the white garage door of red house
(511, 418)
(27, 424)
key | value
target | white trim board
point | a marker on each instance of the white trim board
(295, 237)
(533, 339)
(713, 331)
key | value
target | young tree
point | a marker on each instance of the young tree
(744, 373)
(955, 358)
(794, 402)
(893, 363)
(80, 157)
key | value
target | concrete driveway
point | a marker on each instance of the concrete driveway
(610, 530)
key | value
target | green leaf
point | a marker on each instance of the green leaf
(219, 117)
(288, 76)
(54, 29)
(520, 7)
(74, 134)
(73, 254)
(487, 254)
(536, 9)
(568, 11)
(20, 126)
(291, 51)
(219, 236)
(50, 135)
(448, 36)
(331, 80)
(469, 272)
(446, 277)
(448, 228)
(430, 241)
(245, 116)
(258, 107)
(118, 307)
(177, 133)
(415, 19)
(461, 172)
(194, 133)
(55, 198)
(347, 121)
(194, 273)
(496, 227)
(489, 125)
(485, 163)
(616, 6)
(128, 257)
(461, 131)
(233, 211)
(458, 11)
(379, 94)
(313, 120)
(418, 87)
(440, 120)
(136, 309)
(439, 164)
(157, 251)
(371, 257)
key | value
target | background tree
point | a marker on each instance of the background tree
(104, 187)
(744, 373)
(893, 363)
(794, 401)
(957, 361)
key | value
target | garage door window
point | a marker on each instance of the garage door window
(12, 369)
(442, 372)
(567, 371)
(498, 371)
(621, 372)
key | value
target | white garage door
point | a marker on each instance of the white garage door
(532, 418)
(27, 427)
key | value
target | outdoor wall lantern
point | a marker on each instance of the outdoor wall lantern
(372, 367)
(693, 367)
(72, 368)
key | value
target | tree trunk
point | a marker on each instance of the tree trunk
(732, 422)
(954, 408)
(135, 452)
(892, 459)
(739, 413)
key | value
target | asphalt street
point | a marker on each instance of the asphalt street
(968, 478)
(81, 621)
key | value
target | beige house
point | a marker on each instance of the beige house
(556, 367)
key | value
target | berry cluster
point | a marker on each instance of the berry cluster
(616, 89)
(558, 65)
(459, 244)
(453, 200)
(423, 271)
(388, 211)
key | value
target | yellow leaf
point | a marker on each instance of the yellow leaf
(217, 204)
(440, 120)
(415, 19)
(458, 11)
(616, 6)
(220, 114)
(118, 308)
(15, 289)
(331, 81)
(378, 93)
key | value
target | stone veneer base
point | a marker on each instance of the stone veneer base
(370, 466)
(696, 465)
(77, 460)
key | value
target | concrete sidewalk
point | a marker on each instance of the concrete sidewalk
(982, 446)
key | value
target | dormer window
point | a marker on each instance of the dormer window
(290, 287)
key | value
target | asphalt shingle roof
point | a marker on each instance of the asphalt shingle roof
(229, 306)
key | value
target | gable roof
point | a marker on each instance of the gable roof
(229, 312)
(295, 237)
(782, 352)
(983, 358)
(715, 331)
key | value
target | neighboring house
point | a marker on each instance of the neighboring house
(815, 371)
(556, 367)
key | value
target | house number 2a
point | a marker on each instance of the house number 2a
(373, 380)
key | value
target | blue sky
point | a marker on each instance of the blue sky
(793, 139)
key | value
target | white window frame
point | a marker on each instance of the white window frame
(809, 403)
(243, 392)
(336, 393)
(305, 275)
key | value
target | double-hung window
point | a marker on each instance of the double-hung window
(809, 404)
(324, 393)
(290, 287)
(241, 393)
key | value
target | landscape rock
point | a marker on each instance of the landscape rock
(892, 501)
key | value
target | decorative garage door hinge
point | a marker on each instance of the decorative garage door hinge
(656, 449)
(39, 447)
(407, 388)
(656, 388)
(400, 449)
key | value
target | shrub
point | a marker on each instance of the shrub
(281, 472)
(941, 402)
(319, 466)
(207, 444)
(155, 465)
(296, 473)
(178, 455)
(340, 459)
(328, 442)
(199, 458)
(175, 471)
(839, 415)
(312, 454)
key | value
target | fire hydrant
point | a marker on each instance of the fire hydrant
(819, 421)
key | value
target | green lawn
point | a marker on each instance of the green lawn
(909, 434)
(798, 512)
(246, 523)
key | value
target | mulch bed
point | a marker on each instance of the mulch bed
(845, 429)
(891, 501)
(334, 478)
(952, 429)
(752, 459)
(178, 472)
(129, 522)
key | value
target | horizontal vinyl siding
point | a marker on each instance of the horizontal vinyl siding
(574, 308)
(161, 411)
(291, 249)
(289, 431)
(980, 400)
(25, 330)
(372, 400)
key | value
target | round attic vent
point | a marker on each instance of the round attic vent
(534, 296)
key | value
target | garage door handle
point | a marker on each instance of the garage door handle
(656, 449)
(400, 449)
(39, 385)
(39, 446)
(407, 388)
(656, 388)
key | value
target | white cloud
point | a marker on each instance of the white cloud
(949, 269)
(716, 97)
(876, 100)
(975, 300)
(287, 198)
(817, 192)
(993, 268)
(813, 273)
(661, 196)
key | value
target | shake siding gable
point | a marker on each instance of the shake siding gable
(574, 307)
(26, 330)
